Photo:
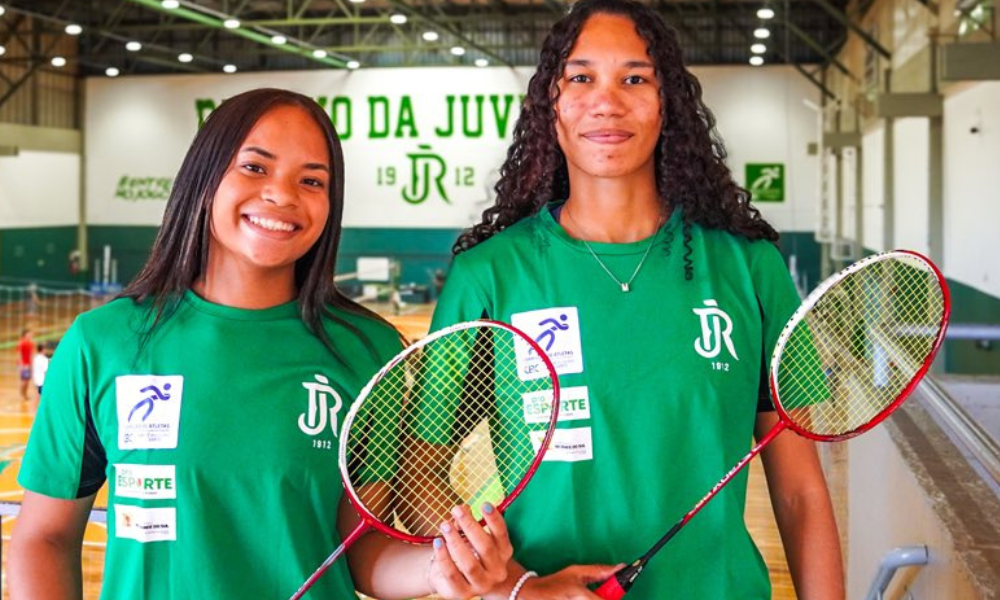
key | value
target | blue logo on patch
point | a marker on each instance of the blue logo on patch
(549, 335)
(148, 400)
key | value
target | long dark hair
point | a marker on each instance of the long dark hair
(690, 157)
(180, 252)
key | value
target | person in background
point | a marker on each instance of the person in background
(39, 365)
(621, 243)
(25, 350)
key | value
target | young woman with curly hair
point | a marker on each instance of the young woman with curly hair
(620, 241)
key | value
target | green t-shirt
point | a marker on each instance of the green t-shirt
(218, 438)
(660, 391)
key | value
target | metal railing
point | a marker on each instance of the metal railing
(980, 445)
(892, 561)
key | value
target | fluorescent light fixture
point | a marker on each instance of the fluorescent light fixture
(58, 61)
(74, 29)
(170, 4)
(2, 11)
(397, 18)
(353, 64)
(3, 50)
(319, 53)
(358, 1)
(111, 72)
(430, 36)
(185, 57)
(229, 68)
(458, 50)
(756, 60)
(279, 40)
(758, 48)
(762, 33)
(231, 23)
(133, 46)
(765, 13)
(482, 62)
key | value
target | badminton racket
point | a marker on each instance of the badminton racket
(463, 416)
(848, 357)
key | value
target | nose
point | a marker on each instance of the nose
(607, 100)
(280, 191)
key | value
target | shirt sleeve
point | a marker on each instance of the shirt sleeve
(778, 300)
(64, 458)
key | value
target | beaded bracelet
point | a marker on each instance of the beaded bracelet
(520, 583)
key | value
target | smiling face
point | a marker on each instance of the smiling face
(608, 112)
(273, 201)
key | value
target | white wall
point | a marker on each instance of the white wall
(889, 506)
(873, 187)
(39, 189)
(972, 186)
(763, 117)
(911, 143)
(141, 127)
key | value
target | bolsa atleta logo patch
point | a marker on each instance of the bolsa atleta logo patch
(149, 410)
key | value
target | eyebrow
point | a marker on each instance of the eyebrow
(271, 156)
(632, 64)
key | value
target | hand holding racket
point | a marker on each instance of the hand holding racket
(443, 424)
(848, 357)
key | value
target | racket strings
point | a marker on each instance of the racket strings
(855, 351)
(445, 425)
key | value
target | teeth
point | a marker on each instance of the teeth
(271, 224)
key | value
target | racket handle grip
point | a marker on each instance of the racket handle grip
(620, 583)
(610, 589)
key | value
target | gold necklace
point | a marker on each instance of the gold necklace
(625, 285)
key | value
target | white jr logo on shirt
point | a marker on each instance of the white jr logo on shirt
(314, 419)
(716, 327)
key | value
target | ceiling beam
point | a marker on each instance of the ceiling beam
(249, 34)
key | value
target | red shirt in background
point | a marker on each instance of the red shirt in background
(25, 349)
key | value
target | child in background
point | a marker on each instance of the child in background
(39, 365)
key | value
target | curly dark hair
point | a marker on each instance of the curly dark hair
(690, 157)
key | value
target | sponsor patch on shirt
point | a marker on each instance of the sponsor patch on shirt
(145, 524)
(574, 404)
(149, 410)
(567, 445)
(146, 482)
(557, 331)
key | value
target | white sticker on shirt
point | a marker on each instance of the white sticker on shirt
(145, 524)
(557, 331)
(567, 445)
(146, 482)
(149, 410)
(574, 404)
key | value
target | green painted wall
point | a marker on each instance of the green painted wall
(802, 245)
(420, 251)
(969, 305)
(129, 246)
(39, 254)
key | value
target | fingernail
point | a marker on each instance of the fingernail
(446, 527)
(456, 512)
(438, 542)
(488, 508)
